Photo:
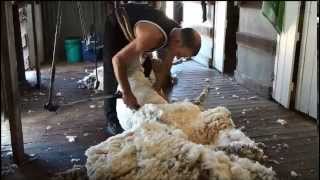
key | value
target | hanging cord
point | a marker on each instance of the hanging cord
(122, 19)
(82, 22)
(127, 23)
(49, 106)
(84, 34)
(95, 46)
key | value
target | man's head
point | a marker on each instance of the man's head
(185, 42)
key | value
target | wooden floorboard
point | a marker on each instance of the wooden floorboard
(54, 152)
(259, 121)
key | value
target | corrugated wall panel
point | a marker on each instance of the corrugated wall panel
(70, 25)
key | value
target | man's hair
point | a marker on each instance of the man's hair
(188, 39)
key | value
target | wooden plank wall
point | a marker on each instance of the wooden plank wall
(307, 94)
(219, 34)
(285, 54)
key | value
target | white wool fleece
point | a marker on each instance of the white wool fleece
(158, 151)
(173, 141)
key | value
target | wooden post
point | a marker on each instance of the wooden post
(163, 6)
(9, 78)
(32, 43)
(30, 35)
(18, 42)
(34, 27)
(39, 32)
(210, 64)
(178, 11)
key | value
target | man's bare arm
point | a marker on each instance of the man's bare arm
(120, 62)
(146, 38)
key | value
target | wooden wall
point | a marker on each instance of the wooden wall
(256, 41)
(70, 25)
(308, 85)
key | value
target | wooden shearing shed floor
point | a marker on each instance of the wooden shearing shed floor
(290, 147)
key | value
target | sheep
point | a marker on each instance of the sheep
(174, 141)
(201, 127)
(158, 151)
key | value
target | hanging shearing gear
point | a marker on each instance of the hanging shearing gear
(93, 34)
(95, 47)
(50, 106)
(82, 22)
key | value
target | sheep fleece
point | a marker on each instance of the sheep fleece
(172, 141)
(157, 151)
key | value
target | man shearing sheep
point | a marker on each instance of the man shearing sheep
(152, 31)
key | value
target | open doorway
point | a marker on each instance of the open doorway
(199, 16)
(231, 39)
(29, 41)
(26, 51)
(169, 9)
(24, 36)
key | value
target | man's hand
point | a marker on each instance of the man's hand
(130, 100)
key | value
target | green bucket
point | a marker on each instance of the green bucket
(72, 47)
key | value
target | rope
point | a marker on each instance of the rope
(82, 22)
(123, 21)
(58, 28)
(127, 23)
(95, 42)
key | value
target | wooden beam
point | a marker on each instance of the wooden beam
(178, 11)
(18, 42)
(9, 75)
(21, 4)
(4, 107)
(39, 31)
(31, 36)
(251, 4)
(256, 42)
(204, 30)
(38, 39)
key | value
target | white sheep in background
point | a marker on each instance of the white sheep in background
(90, 81)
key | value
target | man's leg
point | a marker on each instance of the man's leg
(112, 45)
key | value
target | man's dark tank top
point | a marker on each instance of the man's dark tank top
(138, 13)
